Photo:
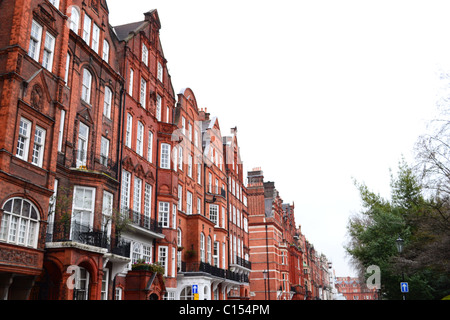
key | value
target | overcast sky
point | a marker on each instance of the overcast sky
(321, 91)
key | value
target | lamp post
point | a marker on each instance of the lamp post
(265, 277)
(399, 243)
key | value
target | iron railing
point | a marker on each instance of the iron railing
(83, 159)
(85, 234)
(213, 270)
(142, 221)
(244, 263)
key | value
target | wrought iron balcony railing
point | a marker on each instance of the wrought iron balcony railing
(142, 221)
(244, 263)
(77, 232)
(213, 270)
(87, 160)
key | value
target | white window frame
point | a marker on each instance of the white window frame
(175, 158)
(208, 250)
(188, 202)
(216, 253)
(202, 247)
(61, 130)
(143, 92)
(66, 74)
(129, 130)
(150, 147)
(107, 210)
(173, 258)
(144, 54)
(86, 86)
(214, 213)
(163, 214)
(20, 228)
(107, 102)
(104, 151)
(165, 156)
(95, 38)
(130, 85)
(180, 158)
(105, 50)
(75, 19)
(174, 216)
(23, 141)
(183, 125)
(87, 28)
(84, 212)
(223, 217)
(160, 72)
(137, 194)
(190, 166)
(82, 145)
(104, 287)
(148, 192)
(223, 254)
(158, 107)
(38, 147)
(180, 197)
(35, 40)
(125, 194)
(163, 257)
(140, 139)
(196, 137)
(49, 48)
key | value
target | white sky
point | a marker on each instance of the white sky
(321, 91)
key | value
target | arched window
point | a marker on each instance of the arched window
(81, 290)
(86, 86)
(74, 19)
(20, 223)
(186, 293)
(107, 103)
(105, 50)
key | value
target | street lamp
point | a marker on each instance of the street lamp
(265, 277)
(399, 244)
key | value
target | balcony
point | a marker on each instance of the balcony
(243, 263)
(86, 160)
(79, 233)
(214, 190)
(212, 270)
(148, 224)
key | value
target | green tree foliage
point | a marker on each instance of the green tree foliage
(409, 215)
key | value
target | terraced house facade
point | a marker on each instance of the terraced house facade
(113, 186)
(112, 189)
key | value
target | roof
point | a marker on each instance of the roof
(124, 30)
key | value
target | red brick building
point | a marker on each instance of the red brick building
(114, 187)
(32, 97)
(149, 103)
(354, 289)
(239, 250)
(80, 237)
(275, 248)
